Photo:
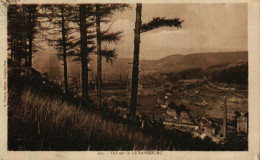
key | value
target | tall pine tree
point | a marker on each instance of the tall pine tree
(86, 23)
(61, 34)
(23, 25)
(141, 28)
(17, 33)
(103, 14)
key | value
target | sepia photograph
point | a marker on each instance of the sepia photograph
(121, 77)
(139, 77)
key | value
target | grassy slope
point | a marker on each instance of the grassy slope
(54, 124)
(40, 118)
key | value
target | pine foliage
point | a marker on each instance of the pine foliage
(161, 22)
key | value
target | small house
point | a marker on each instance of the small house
(242, 124)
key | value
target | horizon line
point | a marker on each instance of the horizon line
(177, 54)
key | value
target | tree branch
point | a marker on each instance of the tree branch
(161, 22)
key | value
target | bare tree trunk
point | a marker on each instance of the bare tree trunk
(15, 52)
(83, 39)
(30, 36)
(99, 59)
(135, 71)
(247, 125)
(30, 52)
(19, 52)
(64, 51)
(25, 54)
(225, 118)
(12, 51)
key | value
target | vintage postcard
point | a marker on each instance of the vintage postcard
(129, 79)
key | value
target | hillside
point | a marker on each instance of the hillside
(41, 118)
(172, 63)
(175, 63)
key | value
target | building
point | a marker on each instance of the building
(171, 112)
(242, 123)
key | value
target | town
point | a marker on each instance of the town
(193, 105)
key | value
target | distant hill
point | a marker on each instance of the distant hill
(232, 74)
(172, 63)
(175, 63)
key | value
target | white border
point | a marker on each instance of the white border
(254, 89)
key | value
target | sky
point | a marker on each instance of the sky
(206, 28)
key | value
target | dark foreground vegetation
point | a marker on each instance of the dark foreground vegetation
(40, 117)
(235, 75)
(221, 73)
